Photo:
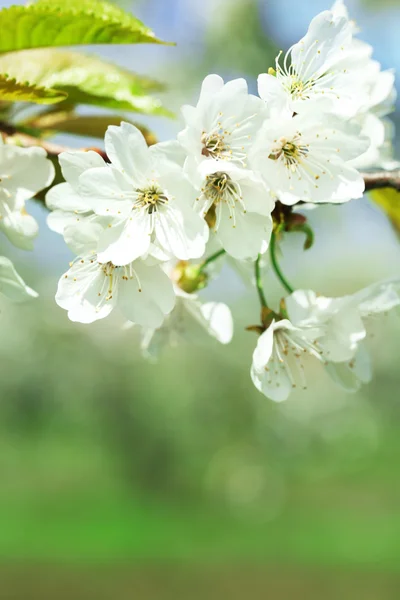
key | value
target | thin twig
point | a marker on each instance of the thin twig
(276, 267)
(211, 259)
(382, 179)
(28, 141)
(259, 285)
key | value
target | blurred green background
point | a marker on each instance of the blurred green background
(123, 479)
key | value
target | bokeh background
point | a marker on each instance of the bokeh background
(121, 479)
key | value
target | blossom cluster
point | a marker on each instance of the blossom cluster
(146, 224)
(143, 225)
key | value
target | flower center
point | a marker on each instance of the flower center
(108, 268)
(214, 145)
(150, 198)
(291, 152)
(112, 274)
(220, 188)
(297, 87)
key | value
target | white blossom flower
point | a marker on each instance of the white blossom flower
(332, 330)
(236, 204)
(376, 101)
(191, 321)
(24, 172)
(11, 284)
(277, 365)
(67, 206)
(344, 321)
(314, 74)
(307, 158)
(223, 123)
(146, 198)
(91, 288)
(340, 317)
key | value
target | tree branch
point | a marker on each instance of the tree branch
(382, 179)
(373, 181)
(27, 141)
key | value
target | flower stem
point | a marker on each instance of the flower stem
(276, 267)
(259, 284)
(211, 259)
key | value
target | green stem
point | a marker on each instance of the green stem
(259, 284)
(277, 269)
(211, 259)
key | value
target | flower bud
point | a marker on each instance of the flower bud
(189, 277)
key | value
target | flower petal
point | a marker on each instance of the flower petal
(11, 284)
(351, 375)
(146, 303)
(64, 197)
(84, 292)
(267, 375)
(29, 171)
(20, 228)
(181, 232)
(128, 151)
(106, 191)
(127, 240)
(219, 319)
(247, 237)
(74, 163)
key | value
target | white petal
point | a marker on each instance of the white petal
(219, 319)
(84, 291)
(342, 326)
(249, 237)
(231, 100)
(343, 335)
(263, 351)
(301, 305)
(128, 151)
(256, 196)
(326, 39)
(211, 85)
(275, 96)
(58, 220)
(29, 170)
(74, 163)
(126, 241)
(20, 228)
(268, 377)
(11, 284)
(64, 197)
(148, 304)
(214, 165)
(169, 155)
(351, 375)
(190, 115)
(181, 232)
(83, 237)
(106, 191)
(378, 297)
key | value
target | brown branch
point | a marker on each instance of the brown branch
(28, 141)
(382, 179)
(373, 181)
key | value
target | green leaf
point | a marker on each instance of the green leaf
(389, 201)
(86, 125)
(86, 79)
(68, 22)
(15, 91)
